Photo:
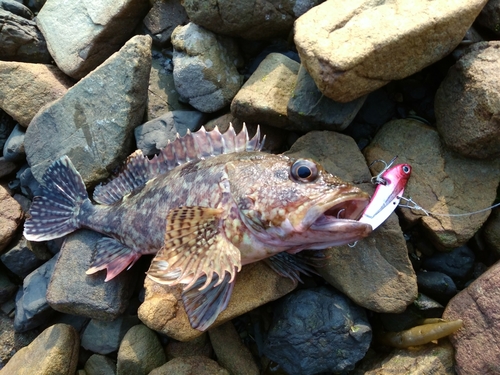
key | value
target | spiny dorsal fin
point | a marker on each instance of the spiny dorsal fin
(193, 146)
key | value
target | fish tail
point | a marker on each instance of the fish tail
(55, 212)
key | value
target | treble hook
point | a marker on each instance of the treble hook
(378, 180)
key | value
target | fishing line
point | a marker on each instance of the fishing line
(411, 204)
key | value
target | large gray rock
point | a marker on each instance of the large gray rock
(82, 34)
(205, 67)
(351, 48)
(93, 123)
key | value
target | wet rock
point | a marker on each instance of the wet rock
(491, 231)
(308, 109)
(264, 97)
(13, 149)
(205, 67)
(317, 330)
(262, 20)
(190, 365)
(81, 35)
(468, 103)
(478, 307)
(25, 88)
(55, 351)
(140, 352)
(93, 123)
(441, 181)
(231, 353)
(11, 341)
(457, 263)
(20, 260)
(490, 16)
(99, 365)
(199, 346)
(163, 18)
(353, 47)
(163, 310)
(73, 292)
(11, 216)
(20, 39)
(154, 135)
(436, 285)
(32, 309)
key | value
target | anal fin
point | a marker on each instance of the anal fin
(291, 265)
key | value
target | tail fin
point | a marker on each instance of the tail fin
(55, 213)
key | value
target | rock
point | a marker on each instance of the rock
(205, 67)
(231, 353)
(11, 216)
(436, 285)
(73, 292)
(491, 231)
(467, 103)
(81, 35)
(16, 8)
(441, 181)
(190, 365)
(163, 18)
(264, 97)
(32, 309)
(256, 284)
(14, 146)
(7, 289)
(20, 260)
(11, 341)
(6, 167)
(20, 39)
(317, 330)
(7, 124)
(105, 337)
(99, 365)
(457, 263)
(478, 307)
(25, 88)
(490, 16)
(357, 47)
(140, 352)
(30, 187)
(155, 134)
(93, 123)
(55, 351)
(199, 346)
(262, 19)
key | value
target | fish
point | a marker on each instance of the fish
(206, 205)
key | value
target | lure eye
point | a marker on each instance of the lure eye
(304, 171)
(406, 169)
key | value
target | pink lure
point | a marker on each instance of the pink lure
(392, 183)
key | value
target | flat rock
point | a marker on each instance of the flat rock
(264, 97)
(441, 182)
(256, 284)
(359, 46)
(205, 67)
(54, 351)
(190, 365)
(82, 34)
(467, 103)
(73, 292)
(478, 307)
(93, 123)
(11, 216)
(25, 88)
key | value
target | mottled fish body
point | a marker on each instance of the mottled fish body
(206, 205)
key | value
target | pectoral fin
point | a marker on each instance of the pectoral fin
(195, 245)
(291, 265)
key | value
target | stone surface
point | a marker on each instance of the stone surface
(93, 123)
(264, 97)
(467, 103)
(199, 346)
(256, 284)
(25, 88)
(491, 231)
(13, 149)
(73, 292)
(441, 182)
(308, 109)
(190, 365)
(205, 67)
(6, 167)
(55, 351)
(163, 18)
(20, 260)
(99, 365)
(81, 35)
(359, 46)
(10, 340)
(140, 352)
(436, 285)
(262, 20)
(11, 215)
(478, 307)
(7, 288)
(317, 330)
(231, 353)
(457, 263)
(490, 16)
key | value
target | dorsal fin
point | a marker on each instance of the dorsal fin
(193, 146)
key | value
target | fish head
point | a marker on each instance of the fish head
(294, 204)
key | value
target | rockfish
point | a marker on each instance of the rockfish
(208, 204)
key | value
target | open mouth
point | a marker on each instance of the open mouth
(347, 209)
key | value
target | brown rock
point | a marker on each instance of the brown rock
(256, 284)
(491, 231)
(467, 103)
(11, 216)
(25, 88)
(477, 306)
(190, 365)
(359, 46)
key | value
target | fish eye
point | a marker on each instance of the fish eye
(406, 169)
(304, 171)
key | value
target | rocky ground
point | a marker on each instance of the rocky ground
(344, 83)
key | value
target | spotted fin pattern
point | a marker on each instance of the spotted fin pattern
(138, 169)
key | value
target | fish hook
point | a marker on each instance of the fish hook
(378, 180)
